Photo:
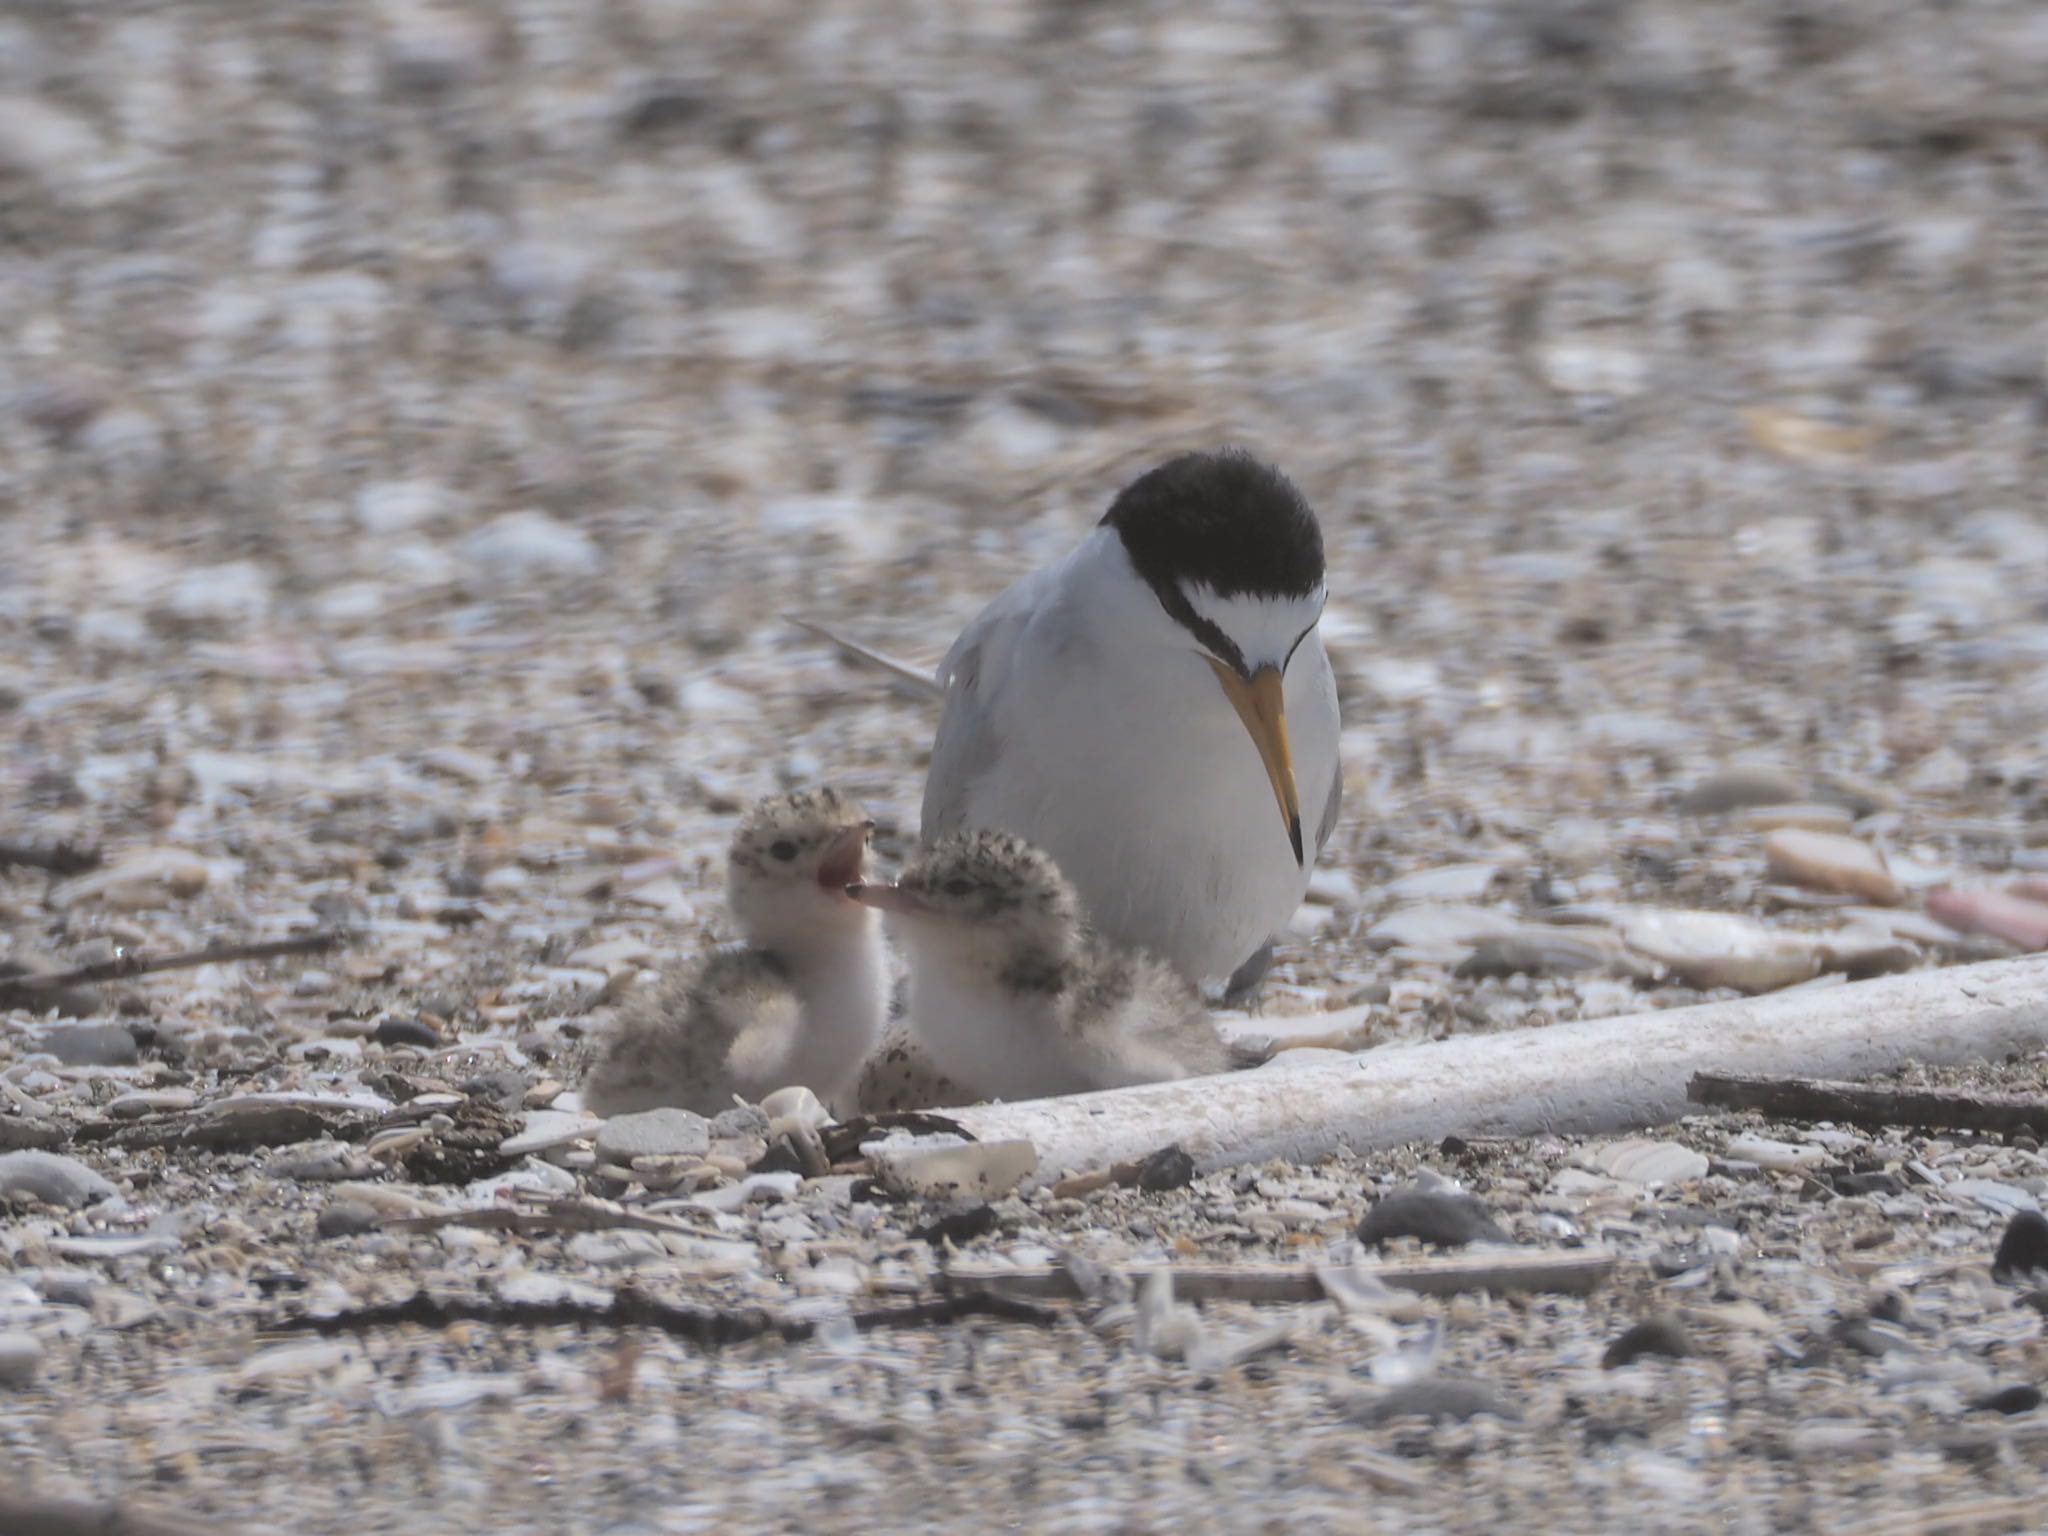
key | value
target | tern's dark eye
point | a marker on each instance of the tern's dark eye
(784, 850)
(959, 887)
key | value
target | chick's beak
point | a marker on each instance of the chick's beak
(845, 857)
(1260, 704)
(884, 898)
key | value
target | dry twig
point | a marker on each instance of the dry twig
(706, 1327)
(59, 858)
(1573, 1272)
(122, 966)
(1866, 1104)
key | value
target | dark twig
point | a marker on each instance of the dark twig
(706, 1327)
(27, 1515)
(58, 858)
(139, 965)
(1810, 1098)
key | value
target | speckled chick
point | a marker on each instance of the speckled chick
(801, 999)
(1012, 995)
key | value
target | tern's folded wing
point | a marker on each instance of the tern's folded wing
(973, 721)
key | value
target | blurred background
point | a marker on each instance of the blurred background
(414, 420)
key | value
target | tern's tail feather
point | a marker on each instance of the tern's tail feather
(918, 681)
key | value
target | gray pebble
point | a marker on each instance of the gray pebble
(1734, 788)
(1446, 1219)
(346, 1218)
(90, 1045)
(1652, 1336)
(1434, 1397)
(51, 1178)
(21, 1357)
(664, 1132)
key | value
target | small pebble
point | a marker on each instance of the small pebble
(663, 1132)
(2020, 1399)
(1735, 788)
(51, 1178)
(398, 1031)
(346, 1218)
(1652, 1336)
(21, 1359)
(1437, 1398)
(1445, 1219)
(1169, 1168)
(90, 1045)
(2022, 1251)
(1831, 861)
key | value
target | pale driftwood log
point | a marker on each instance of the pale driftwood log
(1596, 1075)
(1570, 1272)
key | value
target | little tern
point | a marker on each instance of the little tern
(1012, 996)
(801, 1000)
(1142, 708)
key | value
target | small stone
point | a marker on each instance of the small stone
(981, 1169)
(1812, 818)
(1171, 1167)
(1734, 788)
(664, 1132)
(1436, 1398)
(346, 1218)
(1720, 949)
(1442, 1218)
(235, 593)
(399, 506)
(140, 881)
(1652, 1336)
(525, 545)
(755, 1188)
(958, 1226)
(1831, 861)
(547, 1128)
(1650, 1163)
(2022, 1251)
(2019, 1399)
(1778, 1156)
(794, 1109)
(1535, 950)
(1430, 927)
(398, 1031)
(21, 1360)
(51, 1178)
(90, 1045)
(1447, 882)
(2000, 914)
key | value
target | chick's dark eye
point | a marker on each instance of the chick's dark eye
(959, 887)
(784, 850)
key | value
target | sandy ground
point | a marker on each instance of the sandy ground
(413, 421)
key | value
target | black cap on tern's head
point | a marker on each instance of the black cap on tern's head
(1225, 521)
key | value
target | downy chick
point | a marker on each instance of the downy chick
(1012, 996)
(802, 998)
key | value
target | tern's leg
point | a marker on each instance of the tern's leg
(1244, 981)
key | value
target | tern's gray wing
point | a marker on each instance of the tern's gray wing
(1332, 807)
(973, 721)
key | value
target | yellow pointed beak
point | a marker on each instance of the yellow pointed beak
(1260, 705)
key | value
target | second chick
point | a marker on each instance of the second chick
(1014, 996)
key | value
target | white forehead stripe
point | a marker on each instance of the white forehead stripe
(1263, 628)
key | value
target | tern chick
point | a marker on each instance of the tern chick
(802, 998)
(1013, 996)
